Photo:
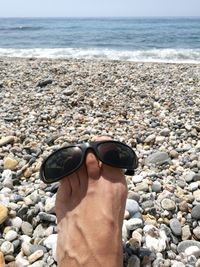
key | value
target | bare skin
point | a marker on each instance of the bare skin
(90, 208)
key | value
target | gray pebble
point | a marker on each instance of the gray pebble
(158, 158)
(27, 228)
(168, 204)
(156, 187)
(47, 217)
(175, 226)
(183, 245)
(132, 206)
(195, 213)
(196, 232)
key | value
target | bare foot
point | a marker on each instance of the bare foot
(90, 208)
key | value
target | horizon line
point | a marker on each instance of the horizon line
(88, 17)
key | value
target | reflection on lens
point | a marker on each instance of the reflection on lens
(117, 155)
(62, 162)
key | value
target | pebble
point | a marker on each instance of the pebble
(192, 250)
(134, 223)
(11, 235)
(165, 132)
(47, 217)
(26, 248)
(137, 179)
(193, 186)
(44, 82)
(27, 228)
(51, 241)
(150, 139)
(124, 232)
(38, 263)
(158, 158)
(127, 101)
(50, 204)
(175, 226)
(132, 206)
(35, 256)
(178, 264)
(16, 222)
(143, 186)
(168, 204)
(186, 233)
(7, 248)
(134, 261)
(188, 176)
(196, 232)
(6, 140)
(3, 213)
(7, 174)
(183, 245)
(21, 261)
(156, 187)
(156, 240)
(10, 163)
(195, 213)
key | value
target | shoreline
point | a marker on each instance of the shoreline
(154, 107)
(95, 60)
(98, 59)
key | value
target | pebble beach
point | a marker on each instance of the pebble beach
(153, 107)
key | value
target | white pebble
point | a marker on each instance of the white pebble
(137, 179)
(16, 222)
(35, 256)
(11, 235)
(7, 248)
(192, 250)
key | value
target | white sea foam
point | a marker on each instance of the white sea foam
(154, 55)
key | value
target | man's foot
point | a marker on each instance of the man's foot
(90, 208)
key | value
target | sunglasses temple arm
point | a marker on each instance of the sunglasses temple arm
(129, 172)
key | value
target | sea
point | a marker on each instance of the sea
(143, 39)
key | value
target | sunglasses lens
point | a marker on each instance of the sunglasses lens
(117, 154)
(62, 163)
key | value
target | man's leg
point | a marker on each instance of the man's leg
(90, 208)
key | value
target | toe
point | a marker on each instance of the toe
(92, 166)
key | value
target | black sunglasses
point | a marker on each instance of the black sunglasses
(69, 159)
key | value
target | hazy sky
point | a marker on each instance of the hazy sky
(88, 8)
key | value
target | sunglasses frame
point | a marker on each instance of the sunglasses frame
(84, 148)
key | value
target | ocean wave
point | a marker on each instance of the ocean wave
(153, 55)
(21, 28)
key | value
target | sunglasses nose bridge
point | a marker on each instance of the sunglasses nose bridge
(88, 147)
